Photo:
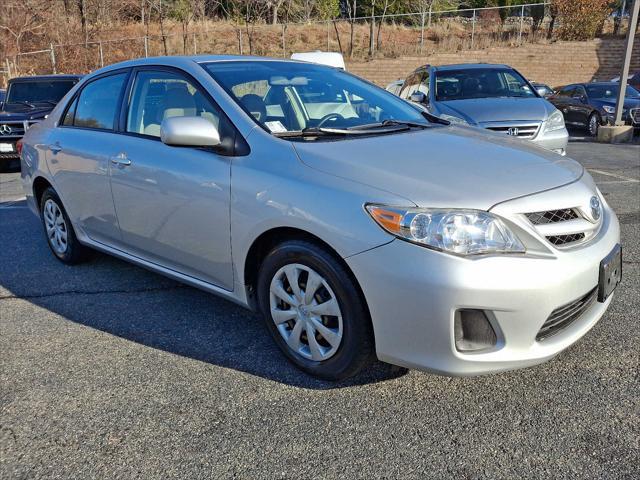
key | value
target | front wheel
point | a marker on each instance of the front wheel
(315, 311)
(593, 124)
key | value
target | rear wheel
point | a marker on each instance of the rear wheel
(314, 311)
(593, 124)
(61, 238)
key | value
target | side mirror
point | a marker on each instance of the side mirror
(418, 97)
(189, 132)
(579, 97)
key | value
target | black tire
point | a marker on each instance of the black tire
(74, 252)
(356, 348)
(593, 124)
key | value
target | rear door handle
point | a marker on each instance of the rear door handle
(121, 160)
(55, 147)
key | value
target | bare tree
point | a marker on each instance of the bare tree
(160, 9)
(387, 4)
(352, 7)
(21, 18)
(274, 7)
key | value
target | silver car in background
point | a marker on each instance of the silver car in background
(494, 97)
(357, 224)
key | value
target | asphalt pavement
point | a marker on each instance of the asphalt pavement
(110, 371)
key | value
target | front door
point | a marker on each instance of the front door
(172, 203)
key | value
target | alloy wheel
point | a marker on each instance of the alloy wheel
(56, 226)
(306, 312)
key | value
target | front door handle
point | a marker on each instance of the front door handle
(121, 160)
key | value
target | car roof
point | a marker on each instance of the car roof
(32, 78)
(183, 61)
(469, 66)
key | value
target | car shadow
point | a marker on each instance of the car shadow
(129, 302)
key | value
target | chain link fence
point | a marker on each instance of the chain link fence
(412, 34)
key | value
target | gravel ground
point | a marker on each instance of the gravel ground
(109, 371)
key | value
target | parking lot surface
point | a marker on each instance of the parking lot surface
(109, 371)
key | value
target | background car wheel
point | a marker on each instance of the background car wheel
(58, 229)
(315, 311)
(593, 124)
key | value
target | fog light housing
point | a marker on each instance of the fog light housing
(473, 331)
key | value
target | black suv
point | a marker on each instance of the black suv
(28, 101)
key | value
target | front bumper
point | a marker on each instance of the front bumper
(556, 140)
(413, 294)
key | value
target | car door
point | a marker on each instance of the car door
(563, 101)
(172, 203)
(79, 152)
(581, 107)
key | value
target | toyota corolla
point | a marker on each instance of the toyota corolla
(357, 224)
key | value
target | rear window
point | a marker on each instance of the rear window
(50, 91)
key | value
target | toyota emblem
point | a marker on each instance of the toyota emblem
(595, 208)
(513, 131)
(5, 130)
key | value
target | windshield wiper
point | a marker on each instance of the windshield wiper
(330, 132)
(23, 102)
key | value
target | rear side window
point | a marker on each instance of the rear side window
(98, 103)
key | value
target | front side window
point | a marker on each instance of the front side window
(158, 95)
(39, 91)
(98, 103)
(290, 97)
(481, 83)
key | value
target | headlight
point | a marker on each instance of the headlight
(554, 122)
(453, 119)
(463, 232)
(609, 109)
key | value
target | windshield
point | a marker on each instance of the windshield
(610, 91)
(481, 83)
(291, 97)
(49, 91)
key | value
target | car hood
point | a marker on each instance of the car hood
(489, 110)
(444, 167)
(19, 113)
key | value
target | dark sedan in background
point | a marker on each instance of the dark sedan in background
(590, 105)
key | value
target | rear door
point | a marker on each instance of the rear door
(79, 153)
(172, 202)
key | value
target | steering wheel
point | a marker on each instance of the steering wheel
(328, 117)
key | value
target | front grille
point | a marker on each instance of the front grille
(520, 131)
(12, 129)
(635, 115)
(565, 239)
(552, 216)
(564, 316)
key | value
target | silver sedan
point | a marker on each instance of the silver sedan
(357, 224)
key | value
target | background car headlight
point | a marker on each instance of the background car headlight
(554, 122)
(453, 119)
(463, 232)
(609, 109)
